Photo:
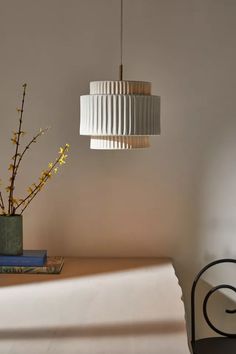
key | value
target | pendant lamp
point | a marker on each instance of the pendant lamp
(119, 115)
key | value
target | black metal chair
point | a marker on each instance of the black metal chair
(226, 343)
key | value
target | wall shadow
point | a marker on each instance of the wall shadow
(121, 329)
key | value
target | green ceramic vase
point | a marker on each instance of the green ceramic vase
(11, 235)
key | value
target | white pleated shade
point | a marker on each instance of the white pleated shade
(119, 114)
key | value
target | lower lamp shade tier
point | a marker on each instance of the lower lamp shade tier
(119, 142)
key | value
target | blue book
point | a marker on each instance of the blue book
(29, 258)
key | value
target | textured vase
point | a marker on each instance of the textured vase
(11, 235)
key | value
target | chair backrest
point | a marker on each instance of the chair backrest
(205, 302)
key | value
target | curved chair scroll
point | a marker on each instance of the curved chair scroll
(214, 345)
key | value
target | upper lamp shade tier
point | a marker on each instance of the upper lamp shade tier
(119, 114)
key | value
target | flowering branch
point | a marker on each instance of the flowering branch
(43, 179)
(33, 140)
(14, 203)
(16, 140)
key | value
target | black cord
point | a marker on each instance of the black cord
(121, 41)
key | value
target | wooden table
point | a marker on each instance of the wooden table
(119, 306)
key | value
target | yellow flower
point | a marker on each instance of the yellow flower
(50, 164)
(61, 150)
(42, 131)
(14, 141)
(22, 201)
(17, 155)
(15, 201)
(41, 185)
(30, 190)
(61, 161)
(47, 174)
(55, 169)
(44, 174)
(67, 146)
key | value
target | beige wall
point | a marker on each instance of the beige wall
(176, 199)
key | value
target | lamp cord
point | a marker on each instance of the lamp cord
(121, 42)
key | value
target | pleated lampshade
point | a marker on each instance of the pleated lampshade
(119, 115)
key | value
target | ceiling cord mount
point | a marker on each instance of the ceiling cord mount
(121, 41)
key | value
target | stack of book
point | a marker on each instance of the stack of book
(31, 261)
